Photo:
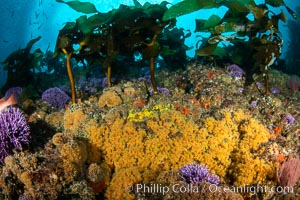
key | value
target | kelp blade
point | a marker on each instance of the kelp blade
(188, 6)
(84, 7)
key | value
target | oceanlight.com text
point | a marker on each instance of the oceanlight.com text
(254, 189)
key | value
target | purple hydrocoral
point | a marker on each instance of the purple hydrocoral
(56, 97)
(90, 85)
(160, 90)
(194, 173)
(275, 90)
(289, 119)
(235, 71)
(14, 131)
(17, 91)
(253, 104)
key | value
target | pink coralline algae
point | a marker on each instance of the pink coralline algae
(294, 83)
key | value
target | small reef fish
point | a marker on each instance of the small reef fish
(8, 102)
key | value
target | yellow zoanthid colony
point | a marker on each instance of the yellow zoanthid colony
(167, 139)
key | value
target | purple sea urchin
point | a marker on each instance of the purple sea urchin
(194, 173)
(14, 131)
(17, 91)
(235, 71)
(56, 97)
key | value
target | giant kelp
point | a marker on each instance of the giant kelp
(21, 65)
(84, 7)
(255, 43)
(33, 69)
(292, 56)
(103, 37)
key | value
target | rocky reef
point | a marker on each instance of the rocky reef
(112, 142)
